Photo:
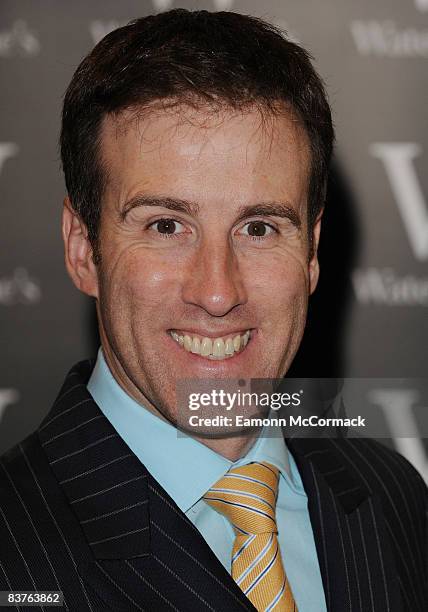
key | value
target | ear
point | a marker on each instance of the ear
(314, 267)
(78, 251)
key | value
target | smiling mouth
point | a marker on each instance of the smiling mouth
(220, 348)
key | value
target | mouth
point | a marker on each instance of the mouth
(214, 349)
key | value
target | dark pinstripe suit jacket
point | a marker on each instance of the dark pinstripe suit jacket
(81, 514)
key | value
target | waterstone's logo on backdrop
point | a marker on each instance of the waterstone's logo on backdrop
(400, 407)
(19, 288)
(7, 398)
(422, 5)
(398, 158)
(385, 38)
(384, 285)
(19, 40)
(7, 150)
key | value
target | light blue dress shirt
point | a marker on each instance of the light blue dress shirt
(186, 469)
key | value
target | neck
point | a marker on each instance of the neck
(231, 447)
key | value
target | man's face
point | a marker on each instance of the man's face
(203, 234)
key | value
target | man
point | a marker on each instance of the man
(195, 148)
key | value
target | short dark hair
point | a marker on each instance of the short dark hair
(219, 58)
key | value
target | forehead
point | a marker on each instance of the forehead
(201, 153)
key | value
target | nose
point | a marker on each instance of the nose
(213, 279)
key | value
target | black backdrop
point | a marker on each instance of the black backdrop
(368, 317)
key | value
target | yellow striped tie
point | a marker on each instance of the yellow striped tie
(247, 496)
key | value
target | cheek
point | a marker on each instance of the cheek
(137, 286)
(278, 280)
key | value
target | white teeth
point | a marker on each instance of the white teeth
(217, 348)
(188, 343)
(228, 347)
(196, 346)
(206, 347)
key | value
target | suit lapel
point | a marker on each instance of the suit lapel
(143, 552)
(355, 557)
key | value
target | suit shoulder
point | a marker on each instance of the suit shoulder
(15, 471)
(25, 480)
(388, 473)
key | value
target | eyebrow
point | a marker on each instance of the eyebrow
(263, 209)
(184, 206)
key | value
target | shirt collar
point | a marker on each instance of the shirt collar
(270, 446)
(184, 467)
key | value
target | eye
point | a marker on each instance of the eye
(258, 230)
(167, 227)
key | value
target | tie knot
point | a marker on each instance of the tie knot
(247, 496)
